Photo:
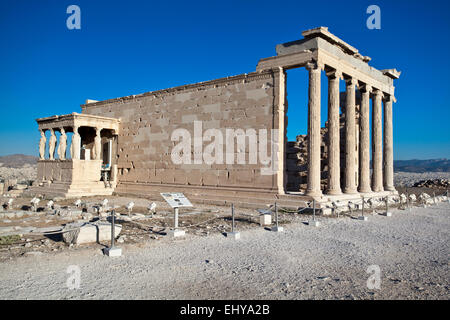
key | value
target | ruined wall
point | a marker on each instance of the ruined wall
(144, 144)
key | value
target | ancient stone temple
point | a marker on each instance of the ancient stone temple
(129, 145)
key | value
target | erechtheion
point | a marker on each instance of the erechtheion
(126, 145)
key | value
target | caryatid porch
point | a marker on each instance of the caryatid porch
(322, 51)
(88, 166)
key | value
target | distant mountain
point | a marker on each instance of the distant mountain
(432, 165)
(17, 160)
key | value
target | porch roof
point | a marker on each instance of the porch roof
(78, 120)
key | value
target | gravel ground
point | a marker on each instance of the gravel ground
(328, 262)
(407, 179)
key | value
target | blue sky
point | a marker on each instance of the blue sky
(130, 47)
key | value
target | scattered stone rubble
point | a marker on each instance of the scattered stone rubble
(433, 183)
(87, 222)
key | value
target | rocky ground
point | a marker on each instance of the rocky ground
(140, 225)
(328, 262)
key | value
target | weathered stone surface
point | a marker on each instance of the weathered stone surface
(433, 183)
(89, 232)
(139, 128)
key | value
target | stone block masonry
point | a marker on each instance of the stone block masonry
(128, 144)
(144, 144)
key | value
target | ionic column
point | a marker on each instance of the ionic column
(42, 143)
(350, 137)
(98, 143)
(364, 149)
(388, 148)
(52, 145)
(313, 187)
(76, 144)
(334, 168)
(62, 145)
(377, 174)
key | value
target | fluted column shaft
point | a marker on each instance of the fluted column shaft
(364, 150)
(313, 186)
(377, 174)
(334, 169)
(388, 149)
(350, 138)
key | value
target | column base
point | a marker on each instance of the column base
(334, 192)
(389, 188)
(313, 193)
(350, 191)
(365, 190)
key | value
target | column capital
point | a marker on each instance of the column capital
(314, 66)
(366, 88)
(376, 92)
(351, 81)
(388, 97)
(334, 74)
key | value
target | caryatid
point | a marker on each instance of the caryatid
(42, 142)
(98, 144)
(52, 145)
(76, 144)
(62, 145)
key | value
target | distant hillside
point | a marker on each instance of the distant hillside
(17, 160)
(432, 165)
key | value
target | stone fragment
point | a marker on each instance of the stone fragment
(79, 233)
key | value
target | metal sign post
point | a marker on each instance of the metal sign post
(361, 217)
(314, 223)
(113, 251)
(176, 200)
(175, 232)
(277, 228)
(113, 220)
(233, 234)
(232, 217)
(362, 209)
(387, 213)
(314, 210)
